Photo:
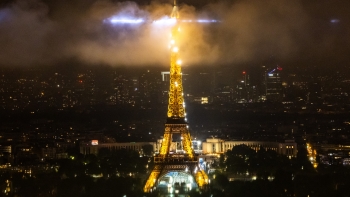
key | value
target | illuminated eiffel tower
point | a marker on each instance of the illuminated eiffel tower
(185, 163)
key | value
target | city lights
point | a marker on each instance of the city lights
(92, 98)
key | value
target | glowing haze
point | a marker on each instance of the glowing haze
(36, 32)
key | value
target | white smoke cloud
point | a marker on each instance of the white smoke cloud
(33, 32)
(24, 33)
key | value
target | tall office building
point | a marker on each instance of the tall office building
(242, 92)
(273, 84)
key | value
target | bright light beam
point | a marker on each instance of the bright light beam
(165, 21)
(162, 21)
(126, 20)
(200, 21)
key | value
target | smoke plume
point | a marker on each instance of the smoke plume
(38, 32)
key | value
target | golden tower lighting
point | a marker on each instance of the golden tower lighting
(176, 123)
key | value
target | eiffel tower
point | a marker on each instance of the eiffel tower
(186, 162)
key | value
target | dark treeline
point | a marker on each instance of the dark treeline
(110, 173)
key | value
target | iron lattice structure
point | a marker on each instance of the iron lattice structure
(176, 123)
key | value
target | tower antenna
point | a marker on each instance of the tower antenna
(175, 12)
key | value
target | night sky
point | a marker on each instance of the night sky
(45, 32)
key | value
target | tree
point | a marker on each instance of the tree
(302, 161)
(147, 149)
(237, 159)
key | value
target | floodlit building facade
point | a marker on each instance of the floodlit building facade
(212, 146)
(93, 147)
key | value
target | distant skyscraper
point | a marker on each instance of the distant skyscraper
(273, 84)
(243, 88)
(165, 75)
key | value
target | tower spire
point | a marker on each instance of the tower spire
(175, 12)
(176, 108)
